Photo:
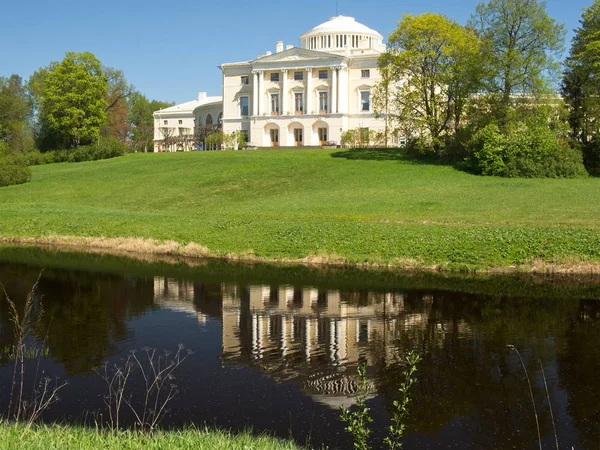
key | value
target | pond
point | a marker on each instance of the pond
(277, 348)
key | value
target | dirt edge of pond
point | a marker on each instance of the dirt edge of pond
(193, 254)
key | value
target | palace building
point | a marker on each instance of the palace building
(295, 96)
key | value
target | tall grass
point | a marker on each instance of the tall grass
(44, 390)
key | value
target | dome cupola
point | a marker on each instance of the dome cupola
(343, 34)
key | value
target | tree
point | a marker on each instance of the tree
(432, 65)
(520, 40)
(15, 114)
(581, 85)
(73, 99)
(117, 124)
(142, 121)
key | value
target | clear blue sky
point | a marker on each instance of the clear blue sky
(171, 50)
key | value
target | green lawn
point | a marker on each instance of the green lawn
(356, 206)
(57, 437)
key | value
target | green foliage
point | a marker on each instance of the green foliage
(13, 170)
(357, 420)
(400, 411)
(362, 138)
(215, 141)
(142, 121)
(591, 155)
(520, 42)
(434, 65)
(105, 149)
(15, 112)
(525, 150)
(73, 100)
(580, 85)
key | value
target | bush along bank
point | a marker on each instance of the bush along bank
(14, 168)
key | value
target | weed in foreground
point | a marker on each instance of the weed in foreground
(358, 420)
(44, 390)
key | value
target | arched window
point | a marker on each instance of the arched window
(209, 120)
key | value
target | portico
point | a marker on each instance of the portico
(309, 95)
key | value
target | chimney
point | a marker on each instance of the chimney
(289, 47)
(279, 46)
(201, 96)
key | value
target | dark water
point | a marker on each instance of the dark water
(277, 350)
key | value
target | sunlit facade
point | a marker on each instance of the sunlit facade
(296, 96)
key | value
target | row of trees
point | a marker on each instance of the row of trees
(72, 103)
(466, 92)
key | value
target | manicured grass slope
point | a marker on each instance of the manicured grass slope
(59, 437)
(359, 206)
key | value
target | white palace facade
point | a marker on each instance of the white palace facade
(295, 96)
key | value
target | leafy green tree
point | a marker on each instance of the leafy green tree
(142, 121)
(580, 84)
(520, 45)
(15, 112)
(432, 65)
(73, 99)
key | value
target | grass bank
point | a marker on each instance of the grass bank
(59, 437)
(333, 206)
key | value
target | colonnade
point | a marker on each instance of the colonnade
(337, 92)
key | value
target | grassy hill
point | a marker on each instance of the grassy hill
(353, 206)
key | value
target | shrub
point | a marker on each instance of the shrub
(105, 149)
(214, 141)
(362, 138)
(529, 150)
(14, 170)
(591, 156)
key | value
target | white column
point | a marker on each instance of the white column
(261, 87)
(255, 94)
(309, 99)
(283, 336)
(343, 90)
(334, 86)
(284, 93)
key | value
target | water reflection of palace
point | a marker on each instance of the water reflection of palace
(306, 322)
(314, 337)
(176, 295)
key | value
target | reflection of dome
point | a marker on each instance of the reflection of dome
(341, 32)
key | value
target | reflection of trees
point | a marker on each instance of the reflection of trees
(93, 308)
(579, 369)
(467, 375)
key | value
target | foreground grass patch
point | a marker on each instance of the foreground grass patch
(42, 437)
(320, 205)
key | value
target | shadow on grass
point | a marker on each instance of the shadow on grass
(384, 154)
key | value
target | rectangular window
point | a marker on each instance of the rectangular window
(245, 79)
(275, 76)
(243, 106)
(298, 76)
(299, 102)
(323, 74)
(365, 73)
(323, 102)
(275, 104)
(165, 122)
(365, 101)
(180, 122)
